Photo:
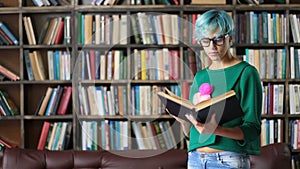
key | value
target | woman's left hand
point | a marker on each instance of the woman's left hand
(208, 127)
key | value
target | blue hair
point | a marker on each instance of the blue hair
(211, 21)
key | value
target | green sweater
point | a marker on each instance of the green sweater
(244, 79)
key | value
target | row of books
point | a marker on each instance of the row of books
(56, 30)
(272, 131)
(102, 29)
(55, 136)
(7, 105)
(7, 37)
(114, 135)
(58, 64)
(144, 99)
(261, 27)
(114, 100)
(146, 28)
(55, 101)
(273, 99)
(146, 64)
(155, 64)
(103, 100)
(270, 63)
(101, 65)
(41, 3)
(104, 135)
(294, 98)
(154, 135)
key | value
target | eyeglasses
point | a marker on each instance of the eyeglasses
(219, 41)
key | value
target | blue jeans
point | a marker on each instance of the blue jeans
(221, 160)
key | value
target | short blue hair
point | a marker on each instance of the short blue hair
(213, 20)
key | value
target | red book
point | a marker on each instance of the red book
(92, 64)
(6, 144)
(60, 33)
(43, 136)
(63, 106)
(9, 73)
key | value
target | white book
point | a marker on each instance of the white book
(61, 138)
(167, 32)
(271, 131)
(50, 64)
(292, 62)
(151, 135)
(124, 135)
(109, 65)
(123, 29)
(270, 28)
(97, 28)
(100, 101)
(102, 29)
(281, 98)
(146, 137)
(166, 66)
(292, 99)
(91, 92)
(110, 103)
(103, 67)
(138, 135)
(175, 29)
(116, 66)
(275, 98)
(115, 29)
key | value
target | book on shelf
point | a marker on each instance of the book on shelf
(8, 105)
(5, 144)
(8, 73)
(225, 106)
(6, 32)
(44, 135)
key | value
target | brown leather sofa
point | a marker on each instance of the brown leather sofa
(275, 156)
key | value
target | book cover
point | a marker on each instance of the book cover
(226, 106)
(8, 73)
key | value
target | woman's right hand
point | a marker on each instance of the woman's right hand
(177, 118)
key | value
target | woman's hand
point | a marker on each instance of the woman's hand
(208, 127)
(176, 118)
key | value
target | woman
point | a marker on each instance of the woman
(230, 144)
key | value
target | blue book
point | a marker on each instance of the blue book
(28, 65)
(51, 101)
(10, 35)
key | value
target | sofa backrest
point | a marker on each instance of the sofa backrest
(70, 159)
(273, 156)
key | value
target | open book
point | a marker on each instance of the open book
(226, 106)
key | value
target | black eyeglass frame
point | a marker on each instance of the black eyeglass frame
(214, 40)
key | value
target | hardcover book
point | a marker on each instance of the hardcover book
(226, 107)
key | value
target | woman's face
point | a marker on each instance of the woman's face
(216, 48)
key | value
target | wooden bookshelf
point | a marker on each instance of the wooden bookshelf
(24, 129)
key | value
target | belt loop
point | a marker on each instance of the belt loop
(218, 156)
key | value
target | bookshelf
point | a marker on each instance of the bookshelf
(25, 128)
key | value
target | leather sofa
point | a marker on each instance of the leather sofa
(274, 156)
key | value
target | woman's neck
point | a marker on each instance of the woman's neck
(226, 62)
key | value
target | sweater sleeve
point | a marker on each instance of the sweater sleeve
(251, 103)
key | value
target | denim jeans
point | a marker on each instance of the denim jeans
(221, 160)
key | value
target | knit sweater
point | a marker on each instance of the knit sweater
(244, 79)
